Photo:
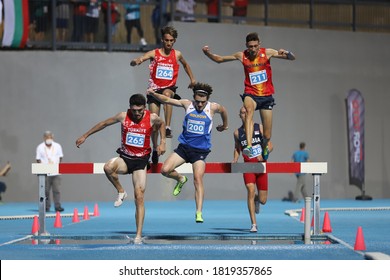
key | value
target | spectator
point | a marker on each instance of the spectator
(79, 13)
(240, 8)
(62, 22)
(133, 19)
(115, 18)
(92, 21)
(300, 155)
(51, 152)
(186, 8)
(3, 172)
(40, 19)
(213, 10)
(160, 17)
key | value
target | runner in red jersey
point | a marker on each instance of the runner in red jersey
(252, 180)
(137, 126)
(258, 85)
(164, 70)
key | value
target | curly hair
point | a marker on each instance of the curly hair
(169, 30)
(202, 89)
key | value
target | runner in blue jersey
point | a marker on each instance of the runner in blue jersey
(195, 140)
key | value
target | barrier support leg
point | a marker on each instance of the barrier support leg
(307, 238)
(316, 203)
(42, 204)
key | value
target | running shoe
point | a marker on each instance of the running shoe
(253, 228)
(119, 200)
(59, 209)
(248, 151)
(198, 217)
(154, 157)
(178, 186)
(143, 42)
(138, 241)
(265, 153)
(168, 133)
(257, 204)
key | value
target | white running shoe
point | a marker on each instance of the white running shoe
(138, 241)
(143, 42)
(119, 200)
(253, 228)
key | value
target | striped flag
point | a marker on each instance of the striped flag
(16, 22)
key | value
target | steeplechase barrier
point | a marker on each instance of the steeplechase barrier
(314, 168)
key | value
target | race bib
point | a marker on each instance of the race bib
(256, 151)
(164, 72)
(135, 139)
(258, 77)
(196, 127)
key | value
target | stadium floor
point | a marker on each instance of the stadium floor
(170, 232)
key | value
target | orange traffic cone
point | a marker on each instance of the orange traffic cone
(57, 222)
(302, 219)
(35, 226)
(96, 210)
(326, 227)
(86, 214)
(75, 216)
(359, 242)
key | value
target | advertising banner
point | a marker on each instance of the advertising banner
(355, 118)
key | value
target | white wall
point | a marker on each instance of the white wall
(68, 92)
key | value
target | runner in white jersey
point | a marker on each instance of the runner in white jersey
(195, 140)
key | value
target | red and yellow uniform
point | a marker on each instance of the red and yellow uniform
(258, 74)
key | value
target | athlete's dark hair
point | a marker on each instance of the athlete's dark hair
(252, 37)
(169, 30)
(137, 99)
(202, 89)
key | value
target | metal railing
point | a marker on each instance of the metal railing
(76, 25)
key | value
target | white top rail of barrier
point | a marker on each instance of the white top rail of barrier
(215, 167)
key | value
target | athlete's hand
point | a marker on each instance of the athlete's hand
(206, 49)
(149, 91)
(80, 141)
(221, 128)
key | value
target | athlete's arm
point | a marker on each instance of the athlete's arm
(237, 150)
(167, 100)
(159, 124)
(141, 59)
(282, 53)
(221, 58)
(217, 108)
(187, 68)
(99, 126)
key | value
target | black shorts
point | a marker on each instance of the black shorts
(151, 99)
(190, 154)
(134, 163)
(62, 23)
(262, 102)
(3, 187)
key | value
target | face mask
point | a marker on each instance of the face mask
(49, 141)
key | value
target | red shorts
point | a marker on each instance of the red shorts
(260, 179)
